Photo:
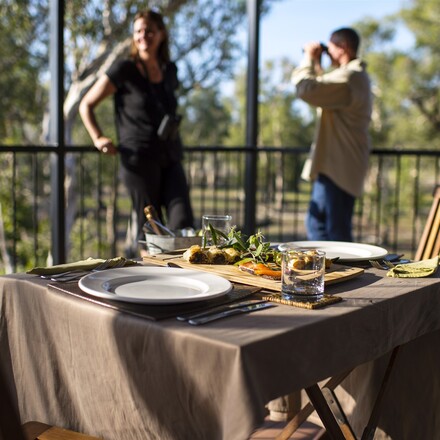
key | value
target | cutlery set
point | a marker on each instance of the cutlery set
(232, 310)
(224, 311)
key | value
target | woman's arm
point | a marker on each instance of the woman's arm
(99, 91)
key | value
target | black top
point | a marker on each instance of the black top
(140, 106)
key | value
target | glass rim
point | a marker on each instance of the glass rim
(303, 250)
(216, 217)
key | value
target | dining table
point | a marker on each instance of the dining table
(126, 373)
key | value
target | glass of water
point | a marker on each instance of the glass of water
(303, 273)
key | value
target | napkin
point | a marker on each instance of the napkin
(419, 269)
(88, 264)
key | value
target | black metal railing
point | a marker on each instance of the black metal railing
(391, 213)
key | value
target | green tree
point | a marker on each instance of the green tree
(283, 120)
(407, 97)
(423, 75)
(103, 34)
(203, 54)
(406, 83)
(206, 118)
(23, 26)
(236, 105)
(96, 34)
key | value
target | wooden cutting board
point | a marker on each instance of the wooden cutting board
(336, 274)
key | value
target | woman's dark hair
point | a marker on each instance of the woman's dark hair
(347, 35)
(151, 16)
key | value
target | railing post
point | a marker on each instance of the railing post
(56, 130)
(253, 12)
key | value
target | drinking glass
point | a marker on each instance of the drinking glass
(219, 222)
(302, 274)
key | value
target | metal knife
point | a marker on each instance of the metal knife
(231, 312)
(220, 308)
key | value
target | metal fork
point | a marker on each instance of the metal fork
(76, 275)
(385, 266)
(120, 263)
(376, 264)
(55, 276)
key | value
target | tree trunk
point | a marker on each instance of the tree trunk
(3, 250)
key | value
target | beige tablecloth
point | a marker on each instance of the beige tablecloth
(84, 367)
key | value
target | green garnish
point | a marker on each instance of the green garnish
(253, 248)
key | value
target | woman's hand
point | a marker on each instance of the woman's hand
(100, 90)
(106, 146)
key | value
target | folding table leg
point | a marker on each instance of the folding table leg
(327, 406)
(325, 413)
(305, 412)
(338, 413)
(370, 429)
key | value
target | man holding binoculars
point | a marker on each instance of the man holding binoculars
(338, 161)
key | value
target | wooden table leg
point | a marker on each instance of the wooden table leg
(370, 429)
(305, 412)
(330, 412)
(338, 413)
(328, 419)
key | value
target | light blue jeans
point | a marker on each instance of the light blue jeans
(330, 212)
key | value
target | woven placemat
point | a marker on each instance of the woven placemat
(324, 301)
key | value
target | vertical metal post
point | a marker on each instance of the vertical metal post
(253, 12)
(56, 130)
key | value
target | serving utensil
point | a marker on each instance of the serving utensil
(154, 224)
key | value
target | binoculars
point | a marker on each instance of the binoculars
(324, 47)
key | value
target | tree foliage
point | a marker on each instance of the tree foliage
(23, 36)
(96, 34)
(282, 122)
(423, 72)
(207, 119)
(203, 54)
(205, 44)
(406, 82)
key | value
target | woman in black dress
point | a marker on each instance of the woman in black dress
(149, 145)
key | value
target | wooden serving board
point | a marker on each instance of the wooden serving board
(336, 274)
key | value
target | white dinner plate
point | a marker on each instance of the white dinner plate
(154, 285)
(345, 251)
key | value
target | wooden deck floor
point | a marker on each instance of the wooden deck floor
(270, 430)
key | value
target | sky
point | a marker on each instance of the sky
(291, 23)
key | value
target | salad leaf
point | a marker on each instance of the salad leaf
(252, 248)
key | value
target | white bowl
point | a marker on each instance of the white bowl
(158, 244)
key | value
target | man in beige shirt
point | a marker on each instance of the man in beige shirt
(338, 162)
